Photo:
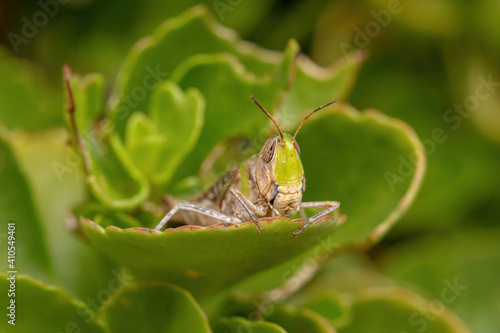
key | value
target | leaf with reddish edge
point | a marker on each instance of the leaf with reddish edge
(206, 260)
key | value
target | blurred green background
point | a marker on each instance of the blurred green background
(432, 63)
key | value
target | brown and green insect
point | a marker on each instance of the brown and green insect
(268, 184)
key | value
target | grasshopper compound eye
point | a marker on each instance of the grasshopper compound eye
(269, 149)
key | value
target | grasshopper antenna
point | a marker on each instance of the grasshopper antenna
(310, 114)
(270, 117)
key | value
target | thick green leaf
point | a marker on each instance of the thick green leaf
(400, 310)
(185, 256)
(143, 141)
(159, 143)
(457, 270)
(356, 158)
(111, 174)
(42, 308)
(239, 324)
(298, 321)
(114, 178)
(17, 206)
(153, 307)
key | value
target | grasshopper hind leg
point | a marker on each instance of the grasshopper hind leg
(330, 207)
(189, 206)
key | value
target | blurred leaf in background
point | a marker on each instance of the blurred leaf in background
(427, 69)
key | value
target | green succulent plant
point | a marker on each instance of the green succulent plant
(182, 97)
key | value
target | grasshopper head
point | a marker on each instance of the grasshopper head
(282, 153)
(279, 168)
(279, 172)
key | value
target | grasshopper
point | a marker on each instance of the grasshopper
(268, 184)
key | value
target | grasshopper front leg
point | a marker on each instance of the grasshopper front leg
(186, 205)
(331, 206)
(252, 210)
